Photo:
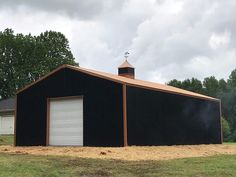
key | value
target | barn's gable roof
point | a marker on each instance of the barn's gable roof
(128, 81)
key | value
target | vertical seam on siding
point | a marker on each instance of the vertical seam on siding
(47, 122)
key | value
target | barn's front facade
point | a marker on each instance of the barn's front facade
(81, 107)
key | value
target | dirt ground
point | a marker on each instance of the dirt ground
(132, 153)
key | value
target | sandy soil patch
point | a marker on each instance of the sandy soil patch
(132, 153)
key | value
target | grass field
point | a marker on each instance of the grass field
(19, 163)
(6, 139)
(233, 143)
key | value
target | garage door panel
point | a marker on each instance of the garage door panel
(63, 104)
(66, 122)
(73, 141)
(65, 131)
(74, 138)
(66, 113)
(63, 117)
(7, 124)
(63, 134)
(59, 107)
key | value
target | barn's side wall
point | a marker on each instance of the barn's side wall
(158, 118)
(102, 99)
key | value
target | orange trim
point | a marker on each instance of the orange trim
(127, 81)
(47, 123)
(167, 91)
(43, 77)
(15, 115)
(61, 67)
(94, 74)
(131, 76)
(66, 97)
(125, 115)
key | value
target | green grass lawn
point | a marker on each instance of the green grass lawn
(6, 139)
(230, 143)
(25, 165)
(17, 165)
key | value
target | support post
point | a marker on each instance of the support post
(125, 116)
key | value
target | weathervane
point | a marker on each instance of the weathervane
(126, 55)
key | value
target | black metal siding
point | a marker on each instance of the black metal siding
(103, 118)
(158, 118)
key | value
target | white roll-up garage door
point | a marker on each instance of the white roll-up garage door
(7, 124)
(66, 122)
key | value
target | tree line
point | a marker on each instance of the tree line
(25, 58)
(225, 90)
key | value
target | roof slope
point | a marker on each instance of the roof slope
(144, 84)
(128, 81)
(126, 64)
(7, 104)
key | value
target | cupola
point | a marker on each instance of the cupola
(126, 70)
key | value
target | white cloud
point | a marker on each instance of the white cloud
(176, 7)
(166, 39)
(82, 9)
(221, 65)
(219, 40)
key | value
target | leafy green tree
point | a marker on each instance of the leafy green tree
(232, 79)
(211, 86)
(175, 83)
(54, 49)
(228, 100)
(25, 58)
(233, 136)
(222, 85)
(196, 85)
(193, 85)
(226, 91)
(226, 129)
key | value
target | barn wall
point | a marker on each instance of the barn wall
(103, 117)
(158, 118)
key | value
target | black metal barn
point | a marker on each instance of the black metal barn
(117, 111)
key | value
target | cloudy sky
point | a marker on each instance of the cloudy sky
(166, 39)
